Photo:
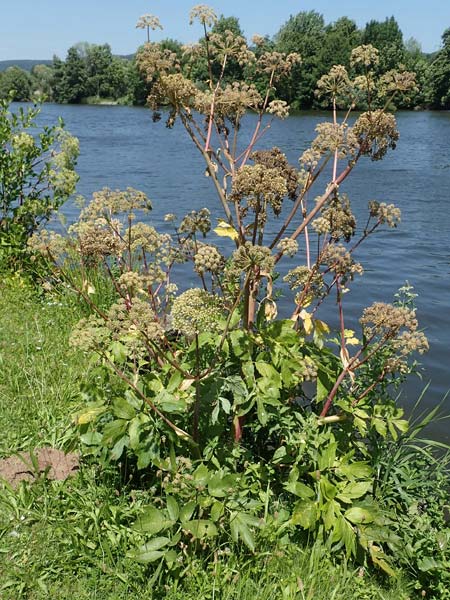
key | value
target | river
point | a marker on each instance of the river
(120, 147)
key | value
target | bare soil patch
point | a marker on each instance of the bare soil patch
(26, 466)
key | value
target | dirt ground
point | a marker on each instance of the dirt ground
(28, 467)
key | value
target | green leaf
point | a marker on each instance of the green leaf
(123, 410)
(263, 416)
(380, 426)
(300, 489)
(146, 556)
(221, 485)
(90, 414)
(114, 430)
(169, 403)
(201, 475)
(156, 543)
(324, 385)
(217, 510)
(327, 456)
(240, 524)
(201, 528)
(119, 351)
(226, 406)
(327, 489)
(428, 564)
(329, 513)
(172, 508)
(268, 372)
(279, 454)
(186, 511)
(119, 446)
(380, 559)
(358, 515)
(134, 430)
(305, 514)
(354, 490)
(151, 521)
(355, 470)
(91, 438)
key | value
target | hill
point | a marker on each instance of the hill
(27, 65)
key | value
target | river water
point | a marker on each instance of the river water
(120, 147)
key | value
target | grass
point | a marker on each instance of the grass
(70, 539)
(40, 372)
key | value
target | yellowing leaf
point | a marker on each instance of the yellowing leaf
(90, 415)
(224, 229)
(308, 324)
(270, 310)
(186, 384)
(321, 326)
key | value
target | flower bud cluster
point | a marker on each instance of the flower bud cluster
(196, 221)
(340, 261)
(48, 243)
(90, 334)
(208, 258)
(248, 256)
(152, 60)
(288, 246)
(333, 137)
(275, 159)
(309, 369)
(397, 327)
(231, 102)
(376, 132)
(195, 311)
(303, 278)
(337, 219)
(259, 184)
(278, 108)
(385, 213)
(98, 239)
(278, 64)
(107, 202)
(22, 142)
(204, 14)
(366, 56)
(335, 83)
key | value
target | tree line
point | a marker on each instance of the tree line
(91, 73)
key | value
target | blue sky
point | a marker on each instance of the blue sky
(40, 28)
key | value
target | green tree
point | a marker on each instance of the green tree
(37, 175)
(387, 37)
(16, 81)
(339, 40)
(42, 76)
(70, 77)
(439, 76)
(99, 60)
(417, 61)
(303, 33)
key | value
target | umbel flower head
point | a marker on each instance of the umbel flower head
(397, 327)
(196, 311)
(208, 258)
(204, 14)
(260, 185)
(148, 21)
(376, 132)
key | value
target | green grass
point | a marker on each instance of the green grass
(70, 539)
(40, 372)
